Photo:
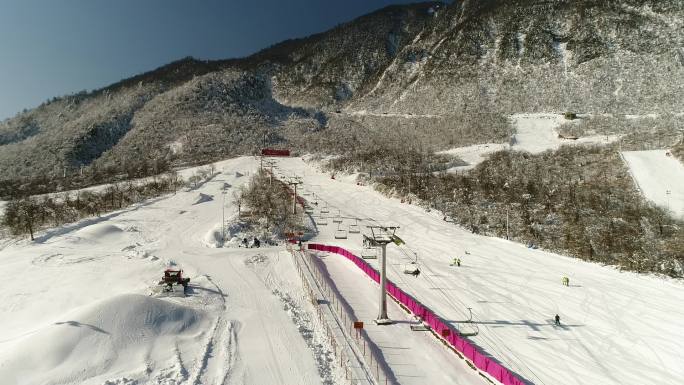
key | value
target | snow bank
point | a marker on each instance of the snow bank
(116, 332)
(214, 238)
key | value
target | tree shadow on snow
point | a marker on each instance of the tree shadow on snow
(66, 229)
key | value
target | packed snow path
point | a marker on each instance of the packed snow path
(659, 177)
(74, 320)
(617, 328)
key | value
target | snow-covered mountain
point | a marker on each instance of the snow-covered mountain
(445, 66)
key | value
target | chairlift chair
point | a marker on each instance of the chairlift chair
(354, 229)
(421, 326)
(324, 210)
(369, 253)
(411, 268)
(468, 328)
(340, 233)
(321, 221)
(337, 219)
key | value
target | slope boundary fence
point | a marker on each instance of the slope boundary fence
(444, 331)
(356, 356)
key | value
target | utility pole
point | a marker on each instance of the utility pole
(508, 207)
(381, 236)
(223, 217)
(507, 235)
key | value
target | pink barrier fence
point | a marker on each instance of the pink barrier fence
(450, 334)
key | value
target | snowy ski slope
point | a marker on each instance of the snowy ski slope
(617, 328)
(660, 178)
(80, 313)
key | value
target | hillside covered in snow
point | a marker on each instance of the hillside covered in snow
(436, 75)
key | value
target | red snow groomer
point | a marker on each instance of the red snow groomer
(172, 279)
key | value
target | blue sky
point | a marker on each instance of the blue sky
(55, 47)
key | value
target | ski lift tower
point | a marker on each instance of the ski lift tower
(380, 237)
(294, 181)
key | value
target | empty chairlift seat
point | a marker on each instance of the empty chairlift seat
(420, 326)
(321, 221)
(468, 329)
(354, 228)
(369, 253)
(341, 234)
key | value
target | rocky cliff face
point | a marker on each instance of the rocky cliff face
(428, 61)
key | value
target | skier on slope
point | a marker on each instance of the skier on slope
(557, 320)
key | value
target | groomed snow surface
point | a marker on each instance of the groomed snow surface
(76, 308)
(659, 177)
(617, 328)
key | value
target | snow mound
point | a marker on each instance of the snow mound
(105, 337)
(100, 230)
(213, 238)
(201, 198)
(97, 233)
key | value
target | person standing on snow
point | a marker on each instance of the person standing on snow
(557, 320)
